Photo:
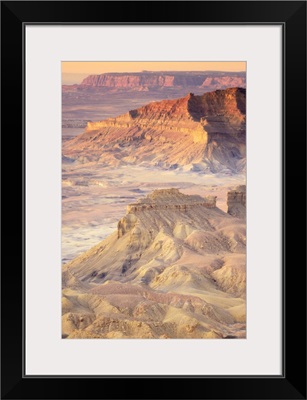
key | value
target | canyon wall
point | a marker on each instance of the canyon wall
(147, 80)
(207, 130)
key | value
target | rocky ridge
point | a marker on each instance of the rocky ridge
(205, 132)
(147, 80)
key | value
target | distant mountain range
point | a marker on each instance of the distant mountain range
(204, 133)
(167, 80)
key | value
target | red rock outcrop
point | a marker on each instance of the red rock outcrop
(220, 82)
(146, 79)
(207, 130)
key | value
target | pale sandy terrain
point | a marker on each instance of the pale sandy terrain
(175, 269)
(95, 198)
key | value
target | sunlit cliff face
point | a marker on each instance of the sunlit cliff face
(208, 129)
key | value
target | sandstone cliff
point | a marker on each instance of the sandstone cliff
(206, 132)
(147, 80)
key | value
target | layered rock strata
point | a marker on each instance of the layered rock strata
(236, 201)
(206, 132)
(176, 272)
(153, 80)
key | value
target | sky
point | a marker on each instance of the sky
(75, 72)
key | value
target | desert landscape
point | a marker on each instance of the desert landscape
(154, 205)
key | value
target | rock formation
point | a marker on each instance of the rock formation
(147, 80)
(205, 132)
(111, 94)
(175, 268)
(236, 201)
(171, 199)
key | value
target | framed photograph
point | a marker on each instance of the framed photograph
(163, 156)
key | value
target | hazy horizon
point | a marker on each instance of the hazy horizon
(74, 72)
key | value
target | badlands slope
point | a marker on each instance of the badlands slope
(200, 133)
(174, 268)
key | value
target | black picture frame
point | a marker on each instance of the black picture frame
(292, 383)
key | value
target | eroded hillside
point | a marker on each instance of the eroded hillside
(206, 133)
(174, 268)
